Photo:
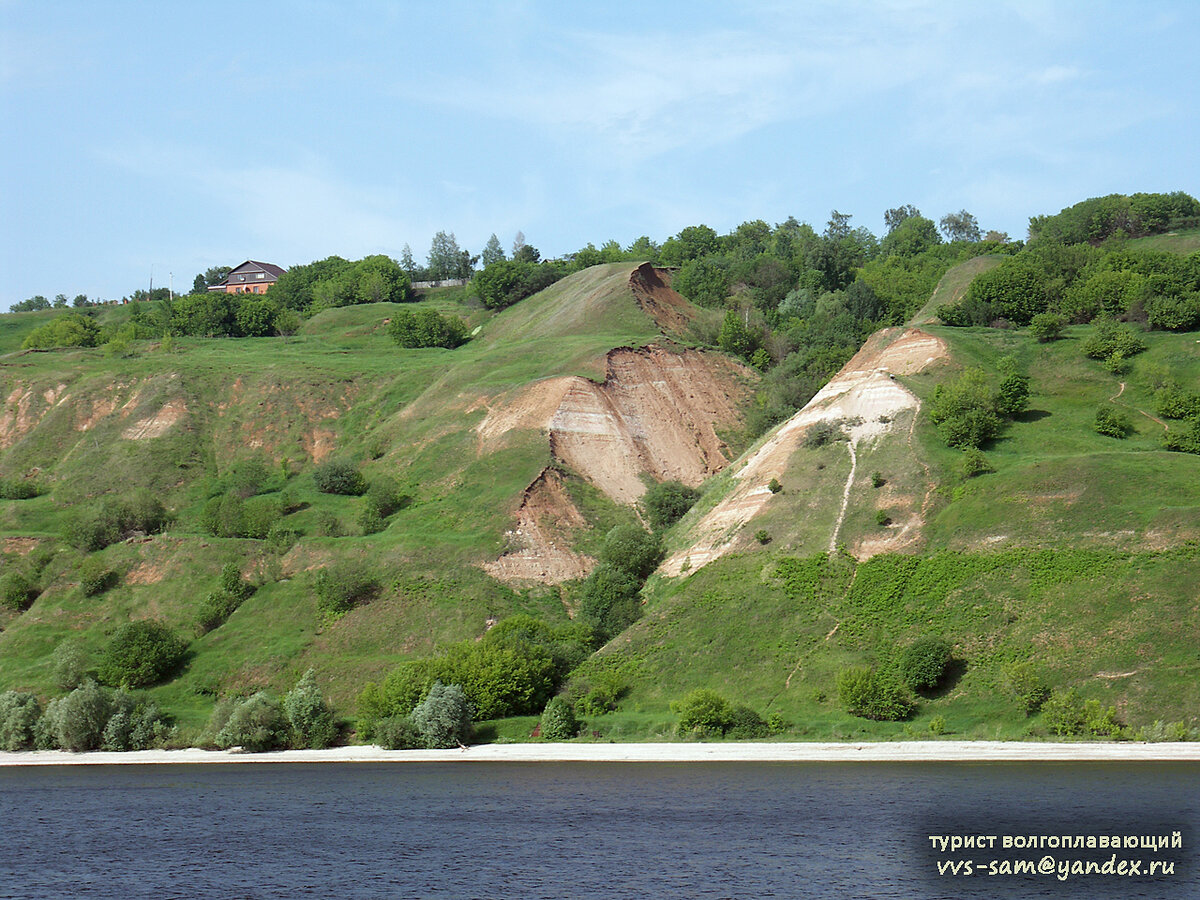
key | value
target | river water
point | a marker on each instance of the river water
(604, 830)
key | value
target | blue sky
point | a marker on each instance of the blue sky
(174, 137)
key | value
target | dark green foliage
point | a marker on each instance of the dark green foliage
(134, 725)
(821, 433)
(703, 713)
(873, 695)
(609, 600)
(339, 476)
(19, 489)
(558, 722)
(232, 582)
(633, 550)
(17, 591)
(736, 338)
(76, 722)
(882, 519)
(280, 537)
(1171, 402)
(1112, 339)
(1174, 313)
(334, 282)
(964, 411)
(33, 304)
(95, 577)
(912, 236)
(68, 330)
(1112, 423)
(762, 536)
(774, 486)
(703, 281)
(328, 524)
(114, 519)
(255, 724)
(19, 713)
(221, 603)
(444, 717)
(877, 480)
(312, 724)
(1014, 291)
(370, 522)
(67, 665)
(1012, 397)
(598, 695)
(746, 724)
(385, 497)
(506, 282)
(397, 733)
(229, 516)
(667, 502)
(923, 665)
(428, 328)
(141, 653)
(1184, 440)
(1047, 326)
(342, 586)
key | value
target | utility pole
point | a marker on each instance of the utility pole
(171, 289)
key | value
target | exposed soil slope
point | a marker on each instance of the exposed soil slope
(540, 540)
(652, 289)
(863, 397)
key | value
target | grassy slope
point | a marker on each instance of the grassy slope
(1176, 242)
(407, 414)
(1079, 552)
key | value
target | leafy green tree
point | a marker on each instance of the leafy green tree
(444, 256)
(873, 695)
(141, 653)
(913, 236)
(19, 713)
(1012, 398)
(33, 304)
(923, 665)
(736, 338)
(1111, 423)
(256, 724)
(492, 251)
(1047, 326)
(704, 281)
(964, 411)
(960, 226)
(894, 218)
(339, 476)
(380, 279)
(558, 722)
(67, 665)
(76, 722)
(444, 717)
(632, 549)
(71, 329)
(504, 283)
(311, 720)
(397, 733)
(255, 317)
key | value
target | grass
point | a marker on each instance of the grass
(1183, 242)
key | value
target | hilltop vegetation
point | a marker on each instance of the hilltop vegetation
(451, 503)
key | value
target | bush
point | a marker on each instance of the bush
(19, 713)
(1178, 313)
(17, 591)
(67, 665)
(255, 724)
(882, 519)
(633, 550)
(18, 489)
(339, 476)
(667, 502)
(328, 524)
(384, 497)
(506, 282)
(215, 610)
(746, 724)
(95, 578)
(1111, 423)
(1027, 687)
(873, 695)
(774, 486)
(67, 330)
(964, 411)
(1047, 326)
(821, 433)
(704, 713)
(1066, 716)
(923, 665)
(370, 522)
(877, 480)
(444, 716)
(76, 722)
(141, 653)
(397, 733)
(114, 519)
(134, 725)
(280, 538)
(558, 722)
(600, 695)
(229, 516)
(609, 601)
(1112, 339)
(311, 721)
(342, 586)
(974, 463)
(428, 328)
(762, 536)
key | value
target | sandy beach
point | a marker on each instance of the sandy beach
(909, 751)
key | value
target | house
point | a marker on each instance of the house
(249, 278)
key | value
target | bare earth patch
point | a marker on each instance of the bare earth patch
(171, 413)
(864, 392)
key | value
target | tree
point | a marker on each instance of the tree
(76, 722)
(406, 261)
(309, 716)
(141, 653)
(914, 235)
(893, 218)
(444, 256)
(666, 502)
(632, 549)
(19, 713)
(558, 722)
(960, 226)
(428, 328)
(923, 665)
(838, 226)
(873, 695)
(704, 712)
(33, 304)
(255, 724)
(492, 251)
(210, 278)
(444, 716)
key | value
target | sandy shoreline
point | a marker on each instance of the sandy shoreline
(908, 751)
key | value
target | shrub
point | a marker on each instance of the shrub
(229, 516)
(704, 713)
(877, 480)
(67, 666)
(255, 724)
(280, 538)
(215, 610)
(18, 489)
(558, 722)
(1111, 338)
(821, 433)
(444, 716)
(134, 725)
(95, 578)
(882, 519)
(633, 550)
(776, 723)
(17, 591)
(397, 733)
(428, 328)
(746, 724)
(76, 722)
(19, 713)
(141, 653)
(114, 519)
(370, 522)
(975, 463)
(1027, 687)
(1047, 326)
(923, 665)
(339, 476)
(762, 536)
(342, 586)
(1012, 397)
(385, 496)
(1111, 423)
(600, 695)
(328, 524)
(774, 486)
(609, 601)
(1066, 716)
(70, 329)
(232, 582)
(873, 695)
(937, 725)
(667, 502)
(311, 721)
(964, 411)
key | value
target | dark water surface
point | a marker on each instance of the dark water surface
(611, 830)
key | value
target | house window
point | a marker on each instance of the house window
(261, 275)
